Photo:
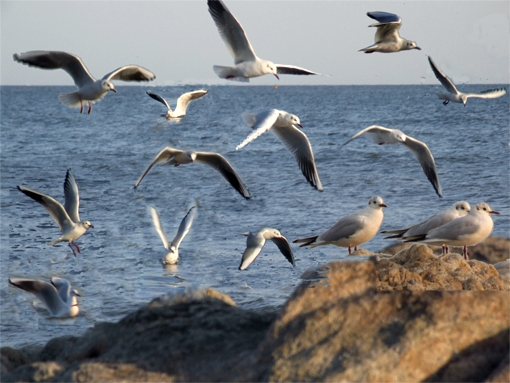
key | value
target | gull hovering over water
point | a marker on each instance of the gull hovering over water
(247, 64)
(67, 217)
(465, 231)
(176, 157)
(90, 89)
(283, 125)
(381, 136)
(57, 297)
(351, 230)
(182, 102)
(456, 96)
(172, 256)
(387, 38)
(255, 243)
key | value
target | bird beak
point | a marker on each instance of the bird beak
(276, 76)
(383, 205)
(301, 126)
(418, 48)
(92, 226)
(494, 212)
(114, 90)
(245, 234)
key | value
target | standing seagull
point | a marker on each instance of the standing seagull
(454, 94)
(255, 243)
(176, 157)
(58, 297)
(464, 231)
(247, 64)
(387, 39)
(89, 89)
(172, 256)
(351, 230)
(182, 102)
(282, 124)
(381, 136)
(68, 217)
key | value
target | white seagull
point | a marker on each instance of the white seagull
(176, 157)
(247, 64)
(89, 89)
(457, 210)
(283, 125)
(67, 217)
(381, 136)
(255, 243)
(464, 231)
(456, 96)
(351, 230)
(182, 102)
(172, 256)
(58, 297)
(387, 39)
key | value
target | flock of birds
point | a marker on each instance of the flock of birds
(460, 225)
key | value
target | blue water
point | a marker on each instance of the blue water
(119, 270)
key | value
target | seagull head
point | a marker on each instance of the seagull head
(462, 207)
(485, 208)
(412, 45)
(192, 156)
(108, 85)
(294, 120)
(271, 68)
(399, 136)
(376, 202)
(87, 224)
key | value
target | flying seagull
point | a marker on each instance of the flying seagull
(255, 243)
(89, 89)
(182, 102)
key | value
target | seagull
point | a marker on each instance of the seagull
(173, 248)
(176, 157)
(387, 39)
(465, 231)
(247, 64)
(351, 230)
(67, 217)
(255, 243)
(457, 210)
(89, 89)
(381, 136)
(283, 125)
(454, 94)
(58, 297)
(182, 102)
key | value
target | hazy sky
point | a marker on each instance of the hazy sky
(179, 42)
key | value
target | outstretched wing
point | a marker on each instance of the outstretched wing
(130, 73)
(72, 197)
(291, 69)
(263, 122)
(387, 26)
(491, 93)
(165, 155)
(157, 97)
(159, 228)
(285, 249)
(184, 227)
(443, 79)
(185, 99)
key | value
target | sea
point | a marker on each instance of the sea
(119, 269)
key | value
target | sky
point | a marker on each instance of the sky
(179, 42)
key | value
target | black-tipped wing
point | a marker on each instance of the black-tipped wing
(130, 73)
(165, 155)
(490, 93)
(443, 79)
(285, 248)
(295, 70)
(72, 197)
(44, 291)
(184, 227)
(157, 97)
(387, 26)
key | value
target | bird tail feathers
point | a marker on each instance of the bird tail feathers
(306, 241)
(72, 100)
(226, 73)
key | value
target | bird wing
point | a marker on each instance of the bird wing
(184, 227)
(63, 288)
(263, 122)
(130, 73)
(44, 291)
(165, 155)
(72, 197)
(185, 99)
(254, 245)
(231, 32)
(291, 69)
(57, 60)
(424, 156)
(345, 227)
(157, 97)
(387, 26)
(491, 93)
(285, 249)
(219, 163)
(159, 228)
(376, 130)
(52, 206)
(299, 146)
(443, 79)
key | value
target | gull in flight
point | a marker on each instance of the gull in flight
(283, 125)
(387, 39)
(465, 231)
(381, 135)
(255, 243)
(457, 210)
(172, 256)
(89, 90)
(247, 64)
(58, 297)
(67, 217)
(182, 102)
(456, 96)
(176, 157)
(351, 230)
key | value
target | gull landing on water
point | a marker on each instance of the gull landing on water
(454, 94)
(381, 136)
(247, 64)
(182, 102)
(89, 89)
(67, 217)
(387, 38)
(255, 243)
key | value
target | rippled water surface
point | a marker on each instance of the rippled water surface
(119, 269)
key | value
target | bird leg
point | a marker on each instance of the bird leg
(90, 108)
(76, 246)
(355, 248)
(349, 250)
(445, 249)
(81, 106)
(176, 164)
(446, 102)
(465, 253)
(74, 252)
